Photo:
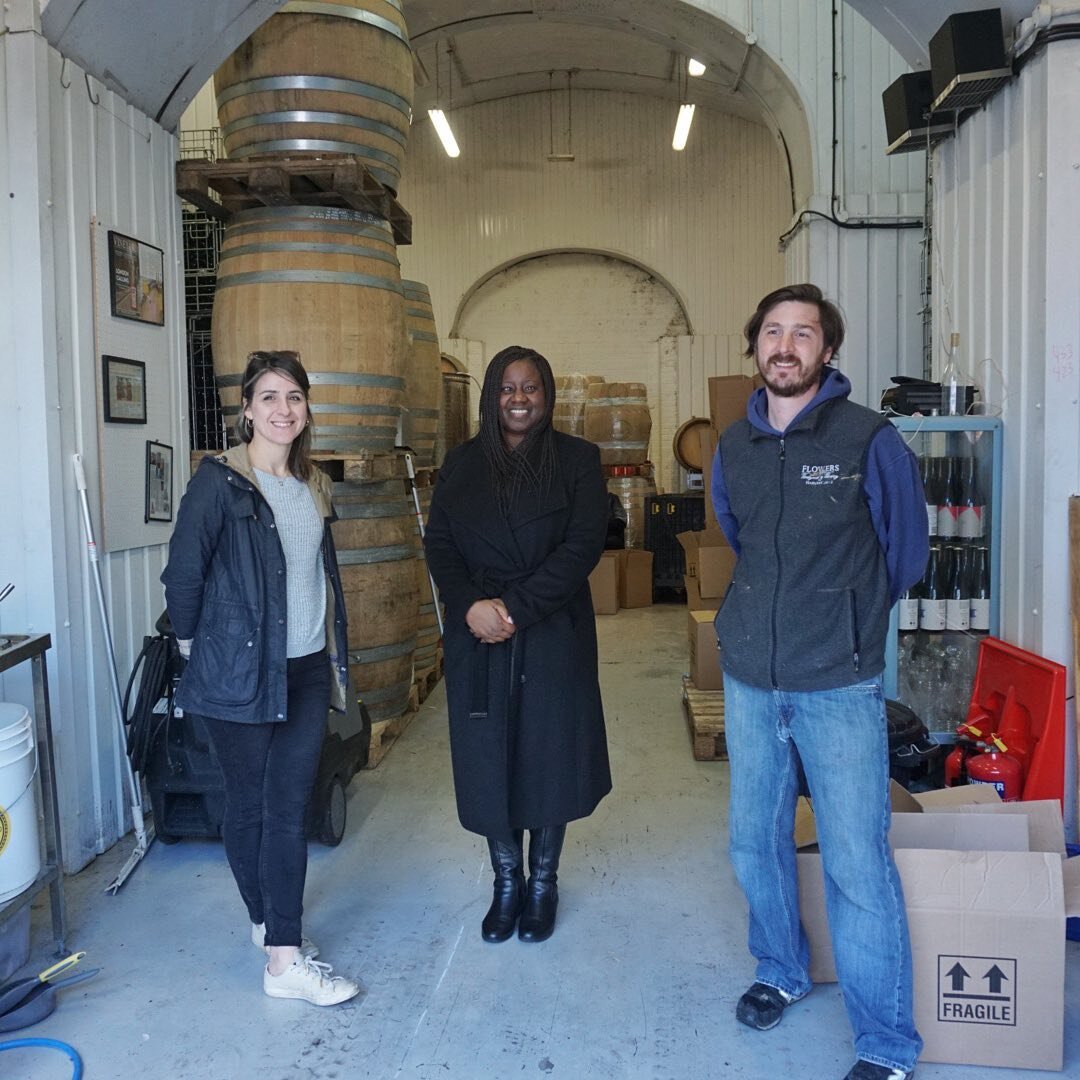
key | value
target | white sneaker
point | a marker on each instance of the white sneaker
(310, 981)
(308, 947)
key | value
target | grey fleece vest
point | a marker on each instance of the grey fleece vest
(808, 605)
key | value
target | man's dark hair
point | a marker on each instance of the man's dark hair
(832, 322)
(533, 461)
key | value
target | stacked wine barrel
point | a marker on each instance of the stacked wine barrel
(571, 392)
(615, 416)
(324, 80)
(454, 412)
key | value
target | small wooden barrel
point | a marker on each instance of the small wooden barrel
(423, 375)
(454, 414)
(632, 492)
(376, 543)
(325, 283)
(686, 446)
(617, 419)
(570, 393)
(322, 79)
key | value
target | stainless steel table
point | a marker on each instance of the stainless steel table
(17, 649)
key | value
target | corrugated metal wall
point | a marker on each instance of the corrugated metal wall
(1006, 277)
(83, 154)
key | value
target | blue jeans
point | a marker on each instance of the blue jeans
(841, 738)
(269, 771)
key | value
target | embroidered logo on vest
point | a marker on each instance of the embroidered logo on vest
(819, 475)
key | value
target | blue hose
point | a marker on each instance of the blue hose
(76, 1061)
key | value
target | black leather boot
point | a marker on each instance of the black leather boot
(509, 893)
(537, 921)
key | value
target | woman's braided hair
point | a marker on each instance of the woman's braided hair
(533, 462)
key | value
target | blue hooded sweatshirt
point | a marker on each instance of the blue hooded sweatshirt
(810, 600)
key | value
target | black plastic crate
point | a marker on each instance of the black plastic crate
(665, 517)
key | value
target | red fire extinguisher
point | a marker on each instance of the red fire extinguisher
(956, 774)
(995, 767)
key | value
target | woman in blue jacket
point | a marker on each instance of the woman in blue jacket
(255, 599)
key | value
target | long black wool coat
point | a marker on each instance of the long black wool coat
(527, 736)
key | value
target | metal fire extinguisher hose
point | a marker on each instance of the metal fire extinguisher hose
(420, 525)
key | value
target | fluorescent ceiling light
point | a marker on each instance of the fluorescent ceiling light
(694, 68)
(442, 129)
(682, 126)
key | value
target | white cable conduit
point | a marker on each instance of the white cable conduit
(1045, 14)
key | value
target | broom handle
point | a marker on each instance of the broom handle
(92, 551)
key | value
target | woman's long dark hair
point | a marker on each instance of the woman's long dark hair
(287, 364)
(533, 462)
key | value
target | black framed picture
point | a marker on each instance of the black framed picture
(159, 481)
(136, 279)
(125, 390)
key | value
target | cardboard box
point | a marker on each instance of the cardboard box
(635, 578)
(710, 560)
(987, 891)
(604, 584)
(728, 395)
(693, 596)
(705, 671)
(707, 442)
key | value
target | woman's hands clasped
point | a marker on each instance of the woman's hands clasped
(489, 621)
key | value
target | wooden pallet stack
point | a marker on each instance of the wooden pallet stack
(704, 711)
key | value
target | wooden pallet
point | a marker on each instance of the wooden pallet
(384, 733)
(705, 717)
(244, 185)
(425, 683)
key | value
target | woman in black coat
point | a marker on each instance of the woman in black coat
(517, 522)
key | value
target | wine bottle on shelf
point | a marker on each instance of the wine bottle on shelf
(952, 382)
(932, 594)
(979, 611)
(958, 590)
(947, 506)
(907, 608)
(971, 505)
(928, 471)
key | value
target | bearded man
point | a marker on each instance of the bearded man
(821, 500)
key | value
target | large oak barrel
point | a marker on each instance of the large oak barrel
(375, 537)
(325, 283)
(454, 414)
(617, 419)
(570, 394)
(321, 79)
(423, 374)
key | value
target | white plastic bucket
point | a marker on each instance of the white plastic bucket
(20, 845)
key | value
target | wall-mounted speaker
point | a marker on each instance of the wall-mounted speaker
(909, 122)
(967, 59)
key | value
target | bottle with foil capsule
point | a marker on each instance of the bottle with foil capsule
(948, 505)
(970, 503)
(957, 589)
(979, 576)
(932, 594)
(928, 471)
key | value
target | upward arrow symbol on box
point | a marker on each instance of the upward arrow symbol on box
(958, 975)
(995, 977)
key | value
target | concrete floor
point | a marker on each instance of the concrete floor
(639, 982)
